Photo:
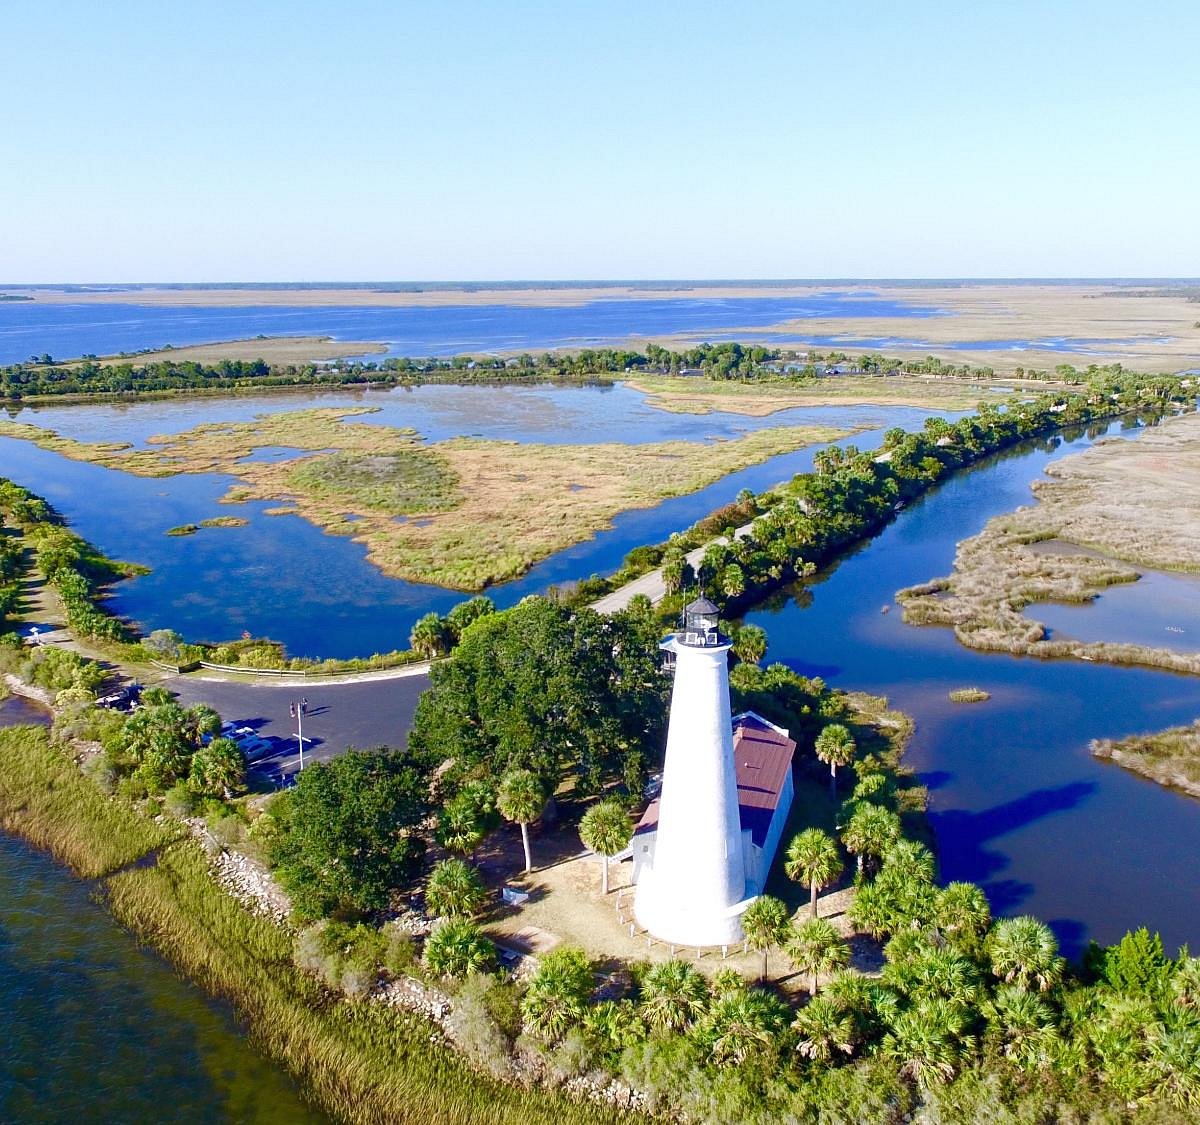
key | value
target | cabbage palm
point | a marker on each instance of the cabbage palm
(1023, 951)
(835, 747)
(815, 948)
(521, 798)
(870, 832)
(674, 995)
(1023, 1026)
(813, 858)
(605, 828)
(558, 994)
(740, 1025)
(456, 948)
(934, 974)
(824, 1030)
(1175, 1064)
(765, 923)
(455, 890)
(925, 1042)
(962, 915)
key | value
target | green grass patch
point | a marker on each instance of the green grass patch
(404, 481)
(45, 799)
(224, 521)
(184, 529)
(969, 695)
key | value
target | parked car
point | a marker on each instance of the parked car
(122, 699)
(256, 748)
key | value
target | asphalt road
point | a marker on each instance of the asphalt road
(363, 715)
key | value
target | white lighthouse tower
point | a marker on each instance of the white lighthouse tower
(692, 891)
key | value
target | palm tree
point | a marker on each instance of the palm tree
(521, 799)
(455, 890)
(933, 974)
(605, 828)
(816, 947)
(558, 993)
(674, 995)
(824, 1029)
(870, 832)
(733, 581)
(750, 644)
(924, 1047)
(835, 747)
(765, 923)
(813, 858)
(1022, 1026)
(613, 1025)
(1024, 952)
(741, 1024)
(456, 948)
(962, 915)
(429, 636)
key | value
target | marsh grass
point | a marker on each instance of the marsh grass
(408, 481)
(512, 503)
(1170, 757)
(690, 395)
(362, 1062)
(225, 521)
(969, 695)
(183, 529)
(45, 799)
(1136, 501)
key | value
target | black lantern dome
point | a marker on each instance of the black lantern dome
(701, 620)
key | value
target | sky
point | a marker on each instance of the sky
(297, 141)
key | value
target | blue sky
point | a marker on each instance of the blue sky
(342, 141)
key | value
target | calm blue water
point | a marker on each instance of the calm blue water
(883, 343)
(1017, 802)
(67, 330)
(1159, 609)
(284, 578)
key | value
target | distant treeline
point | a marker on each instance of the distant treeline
(44, 376)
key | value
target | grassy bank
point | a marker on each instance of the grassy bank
(45, 799)
(1170, 757)
(1135, 501)
(360, 1062)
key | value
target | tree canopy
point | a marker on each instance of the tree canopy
(542, 687)
(347, 833)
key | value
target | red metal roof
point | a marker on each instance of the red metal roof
(762, 754)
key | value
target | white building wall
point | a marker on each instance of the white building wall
(694, 890)
(775, 831)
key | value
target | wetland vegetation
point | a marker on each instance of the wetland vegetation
(491, 508)
(1170, 757)
(1120, 502)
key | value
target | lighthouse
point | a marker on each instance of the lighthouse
(691, 883)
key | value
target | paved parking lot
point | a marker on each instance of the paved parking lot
(363, 715)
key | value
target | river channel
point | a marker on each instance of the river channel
(1016, 801)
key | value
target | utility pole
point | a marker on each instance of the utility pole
(298, 710)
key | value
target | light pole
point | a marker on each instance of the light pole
(298, 710)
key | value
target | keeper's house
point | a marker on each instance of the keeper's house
(763, 767)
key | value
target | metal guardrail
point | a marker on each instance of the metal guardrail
(303, 673)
